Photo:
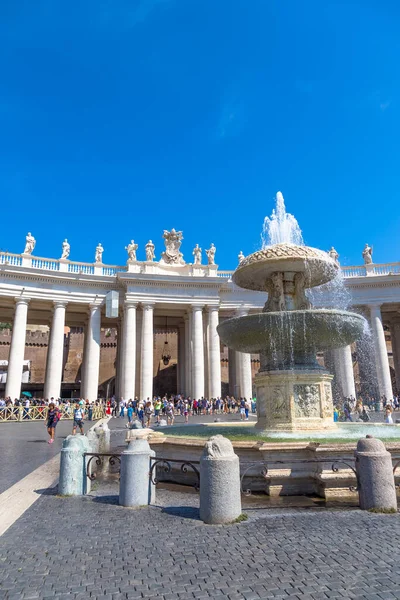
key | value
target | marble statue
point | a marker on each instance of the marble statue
(173, 241)
(334, 255)
(66, 248)
(149, 247)
(211, 254)
(30, 244)
(197, 255)
(131, 249)
(241, 257)
(276, 298)
(367, 255)
(99, 253)
(300, 299)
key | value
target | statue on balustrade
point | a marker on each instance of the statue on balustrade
(172, 255)
(99, 253)
(150, 254)
(66, 248)
(241, 257)
(211, 254)
(30, 244)
(131, 249)
(334, 255)
(367, 255)
(197, 255)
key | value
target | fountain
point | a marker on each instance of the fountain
(293, 390)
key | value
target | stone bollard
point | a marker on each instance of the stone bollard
(135, 487)
(220, 500)
(73, 480)
(103, 435)
(375, 475)
(93, 440)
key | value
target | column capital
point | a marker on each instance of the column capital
(242, 311)
(148, 305)
(376, 307)
(60, 303)
(130, 304)
(196, 307)
(20, 300)
(93, 306)
(212, 307)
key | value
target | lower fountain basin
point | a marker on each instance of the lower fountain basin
(292, 332)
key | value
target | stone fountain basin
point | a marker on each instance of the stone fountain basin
(317, 266)
(292, 331)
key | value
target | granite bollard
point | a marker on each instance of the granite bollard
(73, 480)
(135, 487)
(375, 475)
(220, 500)
(103, 434)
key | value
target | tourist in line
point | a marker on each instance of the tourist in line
(140, 414)
(157, 410)
(388, 415)
(247, 406)
(186, 411)
(129, 412)
(170, 413)
(78, 417)
(53, 416)
(242, 409)
(148, 411)
(114, 407)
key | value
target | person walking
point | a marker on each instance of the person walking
(148, 411)
(78, 418)
(130, 413)
(53, 416)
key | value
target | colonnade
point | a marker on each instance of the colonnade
(199, 362)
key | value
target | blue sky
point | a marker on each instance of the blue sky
(120, 119)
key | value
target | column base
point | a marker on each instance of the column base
(294, 400)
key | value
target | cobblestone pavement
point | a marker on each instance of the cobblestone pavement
(64, 548)
(24, 448)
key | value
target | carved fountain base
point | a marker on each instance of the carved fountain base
(294, 400)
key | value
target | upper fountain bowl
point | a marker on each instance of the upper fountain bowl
(318, 267)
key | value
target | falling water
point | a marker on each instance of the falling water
(281, 227)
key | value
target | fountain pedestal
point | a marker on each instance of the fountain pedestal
(290, 400)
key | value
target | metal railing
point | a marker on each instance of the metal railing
(12, 414)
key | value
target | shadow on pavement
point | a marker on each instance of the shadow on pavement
(186, 512)
(47, 491)
(106, 499)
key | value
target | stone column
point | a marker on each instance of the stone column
(188, 375)
(129, 351)
(52, 386)
(214, 352)
(381, 356)
(198, 351)
(181, 359)
(233, 379)
(344, 371)
(92, 356)
(243, 368)
(17, 350)
(395, 337)
(82, 390)
(146, 374)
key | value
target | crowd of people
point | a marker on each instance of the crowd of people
(351, 409)
(167, 408)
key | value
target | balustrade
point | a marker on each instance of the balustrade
(49, 264)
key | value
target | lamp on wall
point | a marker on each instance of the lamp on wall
(166, 357)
